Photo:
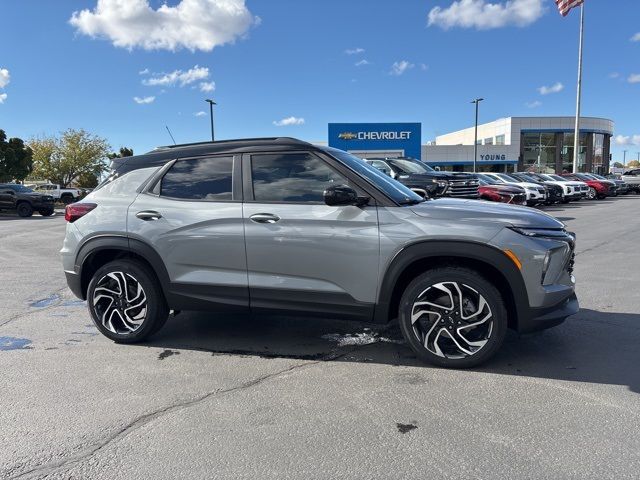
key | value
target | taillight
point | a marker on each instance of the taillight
(74, 211)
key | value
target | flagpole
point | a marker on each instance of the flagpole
(576, 137)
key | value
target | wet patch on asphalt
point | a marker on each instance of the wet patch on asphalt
(45, 302)
(405, 427)
(167, 353)
(14, 343)
(74, 303)
(271, 355)
(367, 337)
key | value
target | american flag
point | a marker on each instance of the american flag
(565, 5)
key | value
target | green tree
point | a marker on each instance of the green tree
(124, 152)
(87, 180)
(16, 160)
(62, 160)
(633, 164)
(618, 165)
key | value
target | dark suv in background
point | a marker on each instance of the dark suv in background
(423, 179)
(24, 201)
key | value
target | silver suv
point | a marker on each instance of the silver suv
(280, 225)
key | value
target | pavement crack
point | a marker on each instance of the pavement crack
(141, 421)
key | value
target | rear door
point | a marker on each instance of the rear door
(302, 254)
(7, 197)
(192, 218)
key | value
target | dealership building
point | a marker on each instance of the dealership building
(544, 144)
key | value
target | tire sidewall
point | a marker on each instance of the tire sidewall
(472, 279)
(157, 310)
(24, 210)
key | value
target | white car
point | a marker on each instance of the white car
(584, 188)
(536, 194)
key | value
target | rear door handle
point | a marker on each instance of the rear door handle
(148, 215)
(264, 218)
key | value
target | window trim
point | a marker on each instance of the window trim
(236, 182)
(249, 196)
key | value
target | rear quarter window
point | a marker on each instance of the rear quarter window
(199, 179)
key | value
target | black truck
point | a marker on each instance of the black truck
(25, 201)
(426, 181)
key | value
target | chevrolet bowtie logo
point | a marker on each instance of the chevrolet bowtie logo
(347, 136)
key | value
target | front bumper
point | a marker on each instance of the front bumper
(543, 318)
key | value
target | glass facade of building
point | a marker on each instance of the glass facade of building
(552, 152)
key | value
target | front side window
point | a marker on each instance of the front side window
(199, 179)
(295, 177)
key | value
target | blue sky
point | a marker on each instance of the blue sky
(328, 61)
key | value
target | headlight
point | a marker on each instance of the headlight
(554, 234)
(440, 183)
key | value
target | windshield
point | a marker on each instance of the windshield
(558, 177)
(410, 166)
(19, 188)
(393, 189)
(506, 178)
(595, 175)
(487, 179)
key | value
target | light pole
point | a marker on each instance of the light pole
(624, 158)
(211, 104)
(475, 140)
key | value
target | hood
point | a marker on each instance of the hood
(477, 210)
(453, 175)
(506, 188)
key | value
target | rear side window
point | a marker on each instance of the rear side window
(199, 179)
(293, 177)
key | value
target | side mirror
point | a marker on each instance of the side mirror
(340, 195)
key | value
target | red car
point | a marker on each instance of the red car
(597, 188)
(494, 191)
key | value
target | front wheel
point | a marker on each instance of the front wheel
(453, 317)
(67, 199)
(126, 302)
(591, 193)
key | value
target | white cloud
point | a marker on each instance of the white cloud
(398, 68)
(555, 88)
(144, 100)
(286, 122)
(636, 37)
(178, 77)
(634, 78)
(614, 75)
(627, 139)
(144, 72)
(207, 86)
(424, 67)
(482, 15)
(534, 104)
(5, 78)
(200, 114)
(191, 24)
(354, 51)
(362, 63)
(3, 97)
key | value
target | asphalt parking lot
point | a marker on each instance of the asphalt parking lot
(273, 398)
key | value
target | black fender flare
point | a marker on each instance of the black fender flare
(454, 250)
(129, 245)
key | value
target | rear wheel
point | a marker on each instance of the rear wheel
(453, 317)
(126, 302)
(591, 193)
(46, 213)
(67, 199)
(24, 209)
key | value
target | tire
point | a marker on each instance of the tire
(433, 327)
(566, 200)
(24, 209)
(147, 309)
(591, 193)
(67, 199)
(46, 213)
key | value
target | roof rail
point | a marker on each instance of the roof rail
(237, 140)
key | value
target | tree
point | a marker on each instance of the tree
(16, 160)
(87, 180)
(633, 164)
(76, 152)
(124, 152)
(618, 165)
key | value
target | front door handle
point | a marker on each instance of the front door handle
(148, 215)
(264, 218)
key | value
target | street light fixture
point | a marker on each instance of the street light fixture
(211, 104)
(475, 140)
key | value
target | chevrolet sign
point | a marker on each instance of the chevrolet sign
(375, 135)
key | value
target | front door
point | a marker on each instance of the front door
(301, 253)
(193, 219)
(7, 197)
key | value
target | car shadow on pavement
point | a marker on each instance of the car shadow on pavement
(593, 347)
